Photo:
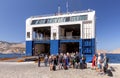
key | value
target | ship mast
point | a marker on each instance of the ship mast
(67, 6)
(59, 9)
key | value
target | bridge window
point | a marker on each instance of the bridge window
(60, 19)
(34, 22)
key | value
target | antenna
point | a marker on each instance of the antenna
(58, 9)
(67, 6)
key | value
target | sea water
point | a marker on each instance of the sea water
(113, 58)
(11, 55)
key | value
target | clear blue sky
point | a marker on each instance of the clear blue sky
(13, 14)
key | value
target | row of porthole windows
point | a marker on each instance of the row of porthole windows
(60, 19)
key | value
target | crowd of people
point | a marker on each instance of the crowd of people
(75, 60)
(100, 63)
(65, 61)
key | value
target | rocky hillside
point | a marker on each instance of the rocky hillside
(102, 51)
(116, 51)
(6, 47)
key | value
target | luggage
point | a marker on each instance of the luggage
(85, 65)
(81, 66)
(54, 68)
(77, 66)
(104, 69)
(65, 67)
(109, 73)
(112, 69)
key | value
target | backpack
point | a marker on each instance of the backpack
(54, 68)
(77, 59)
(107, 59)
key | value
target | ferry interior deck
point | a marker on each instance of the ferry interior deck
(41, 33)
(70, 31)
(69, 47)
(43, 48)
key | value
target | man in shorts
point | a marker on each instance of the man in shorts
(99, 62)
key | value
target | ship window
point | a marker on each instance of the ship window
(34, 22)
(48, 20)
(60, 19)
(73, 18)
(28, 34)
(55, 20)
(42, 21)
(83, 17)
(63, 19)
(67, 19)
(54, 36)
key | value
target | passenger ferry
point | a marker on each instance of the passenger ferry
(61, 32)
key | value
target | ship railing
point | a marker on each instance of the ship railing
(41, 38)
(69, 37)
(56, 14)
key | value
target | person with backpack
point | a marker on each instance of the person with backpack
(46, 60)
(50, 62)
(105, 63)
(77, 60)
(39, 60)
(54, 63)
(65, 62)
(84, 61)
(60, 61)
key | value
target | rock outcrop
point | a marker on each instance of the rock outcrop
(6, 47)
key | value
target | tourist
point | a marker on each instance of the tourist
(39, 60)
(57, 57)
(54, 63)
(73, 59)
(50, 62)
(77, 60)
(65, 62)
(46, 60)
(60, 61)
(94, 61)
(68, 59)
(84, 61)
(105, 63)
(99, 62)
